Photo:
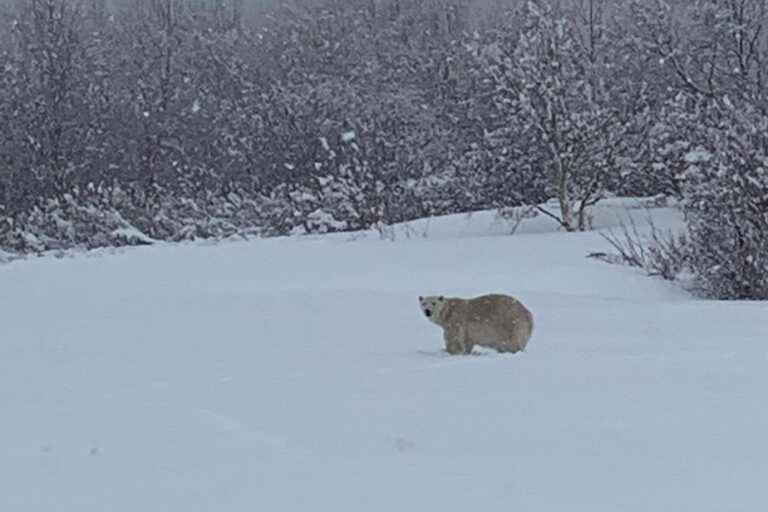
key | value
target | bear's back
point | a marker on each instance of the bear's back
(492, 305)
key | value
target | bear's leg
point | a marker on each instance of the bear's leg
(508, 347)
(455, 341)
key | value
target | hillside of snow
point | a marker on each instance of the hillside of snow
(299, 374)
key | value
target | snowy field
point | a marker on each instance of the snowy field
(298, 374)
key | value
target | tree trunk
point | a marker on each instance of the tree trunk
(584, 218)
(566, 208)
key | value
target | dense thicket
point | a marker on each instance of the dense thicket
(128, 121)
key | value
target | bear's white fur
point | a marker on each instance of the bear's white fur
(495, 321)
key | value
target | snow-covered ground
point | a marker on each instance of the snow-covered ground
(298, 374)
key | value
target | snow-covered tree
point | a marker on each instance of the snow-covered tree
(194, 118)
(705, 47)
(557, 117)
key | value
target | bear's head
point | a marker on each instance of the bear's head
(432, 306)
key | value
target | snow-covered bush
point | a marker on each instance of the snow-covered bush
(77, 219)
(719, 149)
(117, 216)
(725, 190)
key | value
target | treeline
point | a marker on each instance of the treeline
(138, 120)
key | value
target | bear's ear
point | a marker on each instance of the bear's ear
(421, 298)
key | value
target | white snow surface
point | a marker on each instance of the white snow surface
(299, 374)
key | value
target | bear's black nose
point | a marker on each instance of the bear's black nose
(427, 312)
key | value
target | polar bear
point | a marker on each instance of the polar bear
(496, 321)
